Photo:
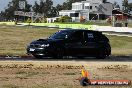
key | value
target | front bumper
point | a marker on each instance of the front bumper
(38, 51)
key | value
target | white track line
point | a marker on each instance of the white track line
(118, 35)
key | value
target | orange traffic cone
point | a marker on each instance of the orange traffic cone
(85, 80)
(85, 73)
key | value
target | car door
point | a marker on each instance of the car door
(90, 43)
(75, 44)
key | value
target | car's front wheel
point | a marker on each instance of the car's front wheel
(58, 54)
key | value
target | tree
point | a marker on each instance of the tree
(116, 5)
(53, 12)
(65, 19)
(130, 7)
(44, 7)
(125, 6)
(68, 4)
(36, 7)
(8, 13)
(58, 8)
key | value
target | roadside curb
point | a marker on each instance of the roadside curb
(29, 56)
(13, 56)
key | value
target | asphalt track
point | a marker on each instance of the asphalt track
(87, 59)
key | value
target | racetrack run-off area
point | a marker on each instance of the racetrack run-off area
(57, 73)
(60, 74)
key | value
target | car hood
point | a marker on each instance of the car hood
(45, 41)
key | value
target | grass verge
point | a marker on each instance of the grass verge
(14, 40)
(121, 45)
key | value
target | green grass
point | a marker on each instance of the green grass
(121, 45)
(14, 40)
(130, 25)
(98, 23)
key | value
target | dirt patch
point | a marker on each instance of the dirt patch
(59, 74)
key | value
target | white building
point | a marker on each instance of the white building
(89, 10)
(51, 20)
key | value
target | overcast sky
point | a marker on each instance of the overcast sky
(4, 3)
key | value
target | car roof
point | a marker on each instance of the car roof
(82, 30)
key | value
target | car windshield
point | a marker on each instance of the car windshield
(61, 35)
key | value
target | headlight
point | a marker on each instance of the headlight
(45, 45)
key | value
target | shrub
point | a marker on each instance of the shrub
(65, 19)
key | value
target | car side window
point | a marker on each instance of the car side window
(100, 37)
(77, 36)
(90, 37)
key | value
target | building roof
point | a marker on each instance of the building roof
(117, 12)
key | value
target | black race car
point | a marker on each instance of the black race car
(78, 43)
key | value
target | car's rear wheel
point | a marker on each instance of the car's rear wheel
(102, 54)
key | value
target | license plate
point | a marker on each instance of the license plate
(32, 49)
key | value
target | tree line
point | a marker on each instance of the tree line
(46, 8)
